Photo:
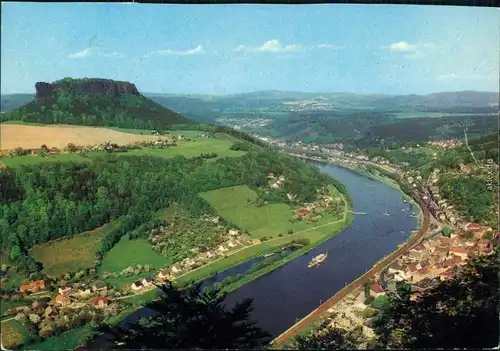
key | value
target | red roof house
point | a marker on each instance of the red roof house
(33, 286)
(100, 302)
(376, 290)
(270, 175)
(302, 213)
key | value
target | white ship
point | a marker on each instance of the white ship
(316, 261)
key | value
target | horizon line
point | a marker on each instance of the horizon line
(294, 91)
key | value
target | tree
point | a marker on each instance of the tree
(329, 339)
(190, 318)
(458, 313)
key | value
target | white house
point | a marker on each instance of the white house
(233, 232)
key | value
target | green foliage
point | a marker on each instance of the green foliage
(328, 339)
(381, 302)
(468, 194)
(192, 319)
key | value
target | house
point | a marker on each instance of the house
(99, 286)
(233, 243)
(147, 281)
(376, 290)
(456, 259)
(82, 293)
(233, 232)
(415, 295)
(281, 178)
(270, 175)
(53, 150)
(65, 290)
(176, 268)
(222, 248)
(275, 185)
(35, 152)
(460, 251)
(472, 227)
(423, 264)
(411, 268)
(33, 286)
(100, 302)
(137, 285)
(49, 312)
(395, 267)
(302, 213)
(446, 275)
(209, 254)
(62, 300)
(163, 274)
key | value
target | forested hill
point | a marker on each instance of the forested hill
(95, 102)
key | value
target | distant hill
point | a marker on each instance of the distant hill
(94, 102)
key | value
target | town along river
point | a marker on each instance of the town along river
(291, 292)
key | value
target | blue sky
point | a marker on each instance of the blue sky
(220, 49)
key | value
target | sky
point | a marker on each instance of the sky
(225, 49)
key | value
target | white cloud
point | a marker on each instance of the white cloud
(197, 50)
(270, 46)
(328, 46)
(412, 51)
(113, 54)
(93, 52)
(402, 46)
(81, 54)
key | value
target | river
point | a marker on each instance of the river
(293, 291)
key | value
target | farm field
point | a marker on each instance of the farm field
(191, 149)
(130, 253)
(69, 254)
(31, 136)
(12, 333)
(264, 221)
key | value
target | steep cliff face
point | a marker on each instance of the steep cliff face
(85, 86)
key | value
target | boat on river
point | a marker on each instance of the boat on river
(316, 261)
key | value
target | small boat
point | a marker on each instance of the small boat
(386, 214)
(405, 201)
(316, 261)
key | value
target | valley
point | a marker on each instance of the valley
(126, 207)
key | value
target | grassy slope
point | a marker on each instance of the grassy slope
(264, 221)
(130, 253)
(69, 254)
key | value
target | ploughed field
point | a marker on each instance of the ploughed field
(30, 136)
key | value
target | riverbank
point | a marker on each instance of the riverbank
(311, 320)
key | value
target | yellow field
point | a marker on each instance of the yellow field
(13, 135)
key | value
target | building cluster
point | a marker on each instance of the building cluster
(446, 144)
(437, 259)
(76, 303)
(232, 240)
